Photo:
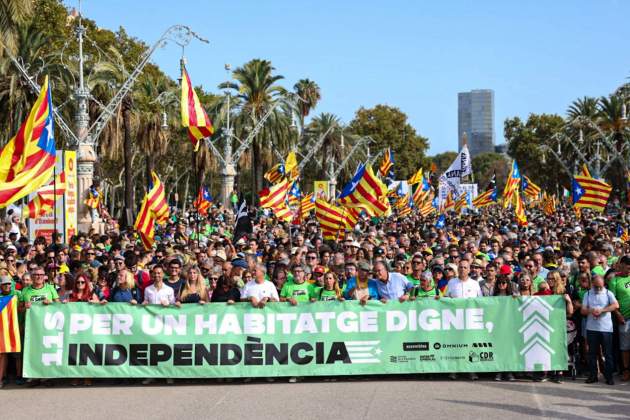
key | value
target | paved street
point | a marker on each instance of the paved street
(374, 398)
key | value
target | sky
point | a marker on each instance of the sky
(538, 56)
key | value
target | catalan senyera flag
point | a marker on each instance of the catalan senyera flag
(416, 178)
(307, 204)
(351, 218)
(157, 200)
(331, 218)
(622, 233)
(44, 200)
(531, 190)
(387, 164)
(366, 191)
(402, 202)
(27, 161)
(9, 329)
(154, 209)
(461, 203)
(194, 117)
(590, 193)
(584, 171)
(203, 201)
(275, 174)
(519, 209)
(275, 198)
(512, 184)
(145, 224)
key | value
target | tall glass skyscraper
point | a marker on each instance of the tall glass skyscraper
(475, 119)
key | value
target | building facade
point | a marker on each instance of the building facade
(475, 120)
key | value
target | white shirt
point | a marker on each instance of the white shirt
(463, 289)
(158, 297)
(260, 291)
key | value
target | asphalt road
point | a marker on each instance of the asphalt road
(368, 398)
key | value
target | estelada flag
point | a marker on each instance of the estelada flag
(203, 201)
(9, 329)
(194, 117)
(27, 161)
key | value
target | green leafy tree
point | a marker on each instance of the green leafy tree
(388, 127)
(524, 141)
(485, 165)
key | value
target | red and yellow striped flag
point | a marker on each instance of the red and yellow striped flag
(307, 203)
(519, 209)
(275, 198)
(194, 117)
(154, 209)
(448, 204)
(461, 203)
(9, 329)
(27, 161)
(331, 218)
(46, 197)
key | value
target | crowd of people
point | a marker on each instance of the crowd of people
(477, 254)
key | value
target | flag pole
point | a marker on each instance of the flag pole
(55, 200)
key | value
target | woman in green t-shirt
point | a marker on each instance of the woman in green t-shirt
(331, 290)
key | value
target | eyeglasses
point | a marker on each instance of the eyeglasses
(215, 278)
(416, 262)
(80, 282)
(311, 258)
(39, 275)
(90, 253)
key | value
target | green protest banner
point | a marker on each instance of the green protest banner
(498, 334)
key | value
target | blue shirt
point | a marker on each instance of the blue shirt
(395, 287)
(352, 283)
(593, 299)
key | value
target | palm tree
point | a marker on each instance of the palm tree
(16, 96)
(13, 14)
(309, 95)
(257, 88)
(153, 117)
(611, 120)
(333, 145)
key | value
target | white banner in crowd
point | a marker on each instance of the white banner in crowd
(461, 166)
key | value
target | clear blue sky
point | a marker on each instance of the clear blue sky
(538, 56)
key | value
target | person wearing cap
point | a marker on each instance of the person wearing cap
(620, 287)
(361, 287)
(476, 269)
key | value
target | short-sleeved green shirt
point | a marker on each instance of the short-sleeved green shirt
(299, 292)
(420, 293)
(327, 295)
(621, 290)
(30, 294)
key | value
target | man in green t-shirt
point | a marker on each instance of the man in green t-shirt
(297, 290)
(39, 291)
(418, 265)
(621, 289)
